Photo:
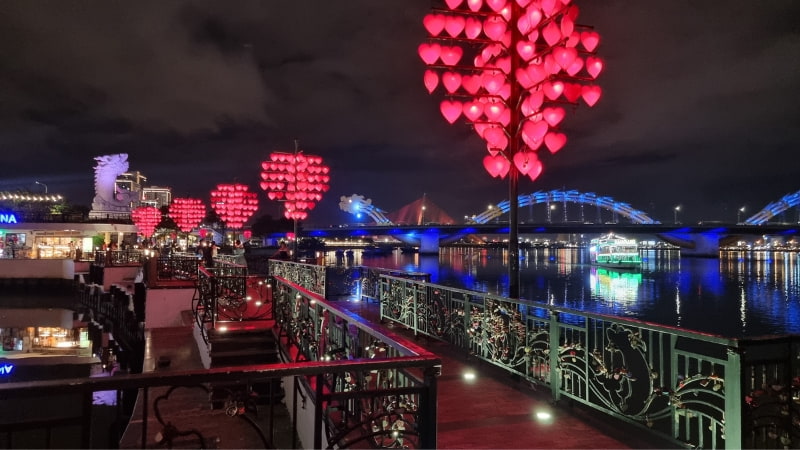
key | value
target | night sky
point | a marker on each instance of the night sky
(700, 105)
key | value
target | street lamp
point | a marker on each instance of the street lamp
(739, 215)
(677, 208)
(42, 184)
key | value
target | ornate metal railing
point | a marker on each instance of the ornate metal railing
(116, 312)
(387, 408)
(118, 257)
(225, 293)
(696, 389)
(71, 425)
(309, 276)
(177, 267)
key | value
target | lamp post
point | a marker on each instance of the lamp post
(42, 184)
(675, 217)
(510, 68)
(739, 215)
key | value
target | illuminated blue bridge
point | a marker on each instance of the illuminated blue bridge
(698, 240)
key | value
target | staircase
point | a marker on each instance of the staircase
(253, 345)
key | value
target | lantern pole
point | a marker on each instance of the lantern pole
(294, 216)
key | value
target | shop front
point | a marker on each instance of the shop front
(60, 240)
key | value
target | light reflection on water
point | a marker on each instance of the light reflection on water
(739, 294)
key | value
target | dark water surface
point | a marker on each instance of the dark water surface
(739, 294)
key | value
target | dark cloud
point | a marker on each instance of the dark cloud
(699, 106)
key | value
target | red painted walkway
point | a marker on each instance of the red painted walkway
(494, 411)
(491, 411)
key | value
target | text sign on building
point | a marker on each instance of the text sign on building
(8, 218)
(5, 369)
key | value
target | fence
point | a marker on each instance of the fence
(391, 407)
(699, 390)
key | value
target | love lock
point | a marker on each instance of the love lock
(234, 408)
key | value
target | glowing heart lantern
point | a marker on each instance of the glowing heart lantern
(234, 204)
(509, 68)
(296, 179)
(146, 218)
(187, 213)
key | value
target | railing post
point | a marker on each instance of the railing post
(213, 292)
(467, 322)
(555, 377)
(415, 297)
(319, 380)
(733, 399)
(428, 405)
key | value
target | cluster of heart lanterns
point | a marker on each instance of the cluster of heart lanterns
(234, 204)
(296, 179)
(530, 59)
(187, 213)
(146, 218)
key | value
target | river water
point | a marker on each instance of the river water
(740, 294)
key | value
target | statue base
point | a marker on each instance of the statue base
(105, 214)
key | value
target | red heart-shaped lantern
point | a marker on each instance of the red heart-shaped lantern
(451, 110)
(513, 95)
(187, 213)
(434, 23)
(431, 80)
(555, 141)
(497, 166)
(591, 94)
(306, 179)
(146, 218)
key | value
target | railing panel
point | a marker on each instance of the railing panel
(309, 276)
(320, 331)
(681, 385)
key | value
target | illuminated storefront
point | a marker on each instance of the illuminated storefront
(57, 240)
(46, 340)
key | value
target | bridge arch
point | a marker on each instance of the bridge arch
(773, 209)
(356, 204)
(572, 196)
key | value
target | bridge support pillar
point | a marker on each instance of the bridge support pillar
(695, 244)
(429, 242)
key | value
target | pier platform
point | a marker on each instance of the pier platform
(490, 411)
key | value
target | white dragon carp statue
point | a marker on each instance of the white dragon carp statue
(108, 197)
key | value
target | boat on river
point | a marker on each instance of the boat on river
(615, 251)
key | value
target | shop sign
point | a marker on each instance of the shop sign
(6, 369)
(8, 218)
